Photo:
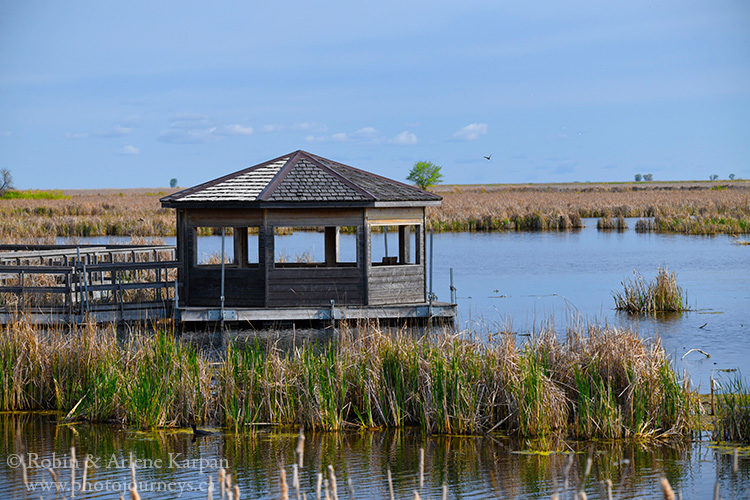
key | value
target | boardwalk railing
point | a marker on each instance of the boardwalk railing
(71, 284)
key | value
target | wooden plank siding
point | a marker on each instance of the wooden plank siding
(301, 286)
(400, 284)
(243, 287)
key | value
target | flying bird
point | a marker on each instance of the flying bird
(487, 157)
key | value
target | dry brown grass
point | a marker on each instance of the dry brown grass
(698, 207)
(690, 207)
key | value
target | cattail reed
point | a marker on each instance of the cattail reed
(72, 471)
(332, 482)
(222, 484)
(421, 469)
(284, 486)
(318, 485)
(666, 489)
(300, 451)
(390, 484)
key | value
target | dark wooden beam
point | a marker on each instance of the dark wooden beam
(404, 244)
(331, 245)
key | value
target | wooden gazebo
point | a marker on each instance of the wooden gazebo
(300, 190)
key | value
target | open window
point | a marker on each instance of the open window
(207, 246)
(315, 246)
(395, 245)
(240, 246)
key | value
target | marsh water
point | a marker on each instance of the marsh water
(504, 280)
(172, 464)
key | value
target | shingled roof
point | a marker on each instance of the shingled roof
(300, 179)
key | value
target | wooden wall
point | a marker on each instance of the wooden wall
(269, 286)
(397, 284)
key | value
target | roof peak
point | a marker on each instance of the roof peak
(300, 177)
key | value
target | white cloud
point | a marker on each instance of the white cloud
(471, 132)
(272, 128)
(235, 129)
(339, 137)
(116, 131)
(310, 127)
(405, 138)
(363, 135)
(129, 149)
(76, 135)
(179, 135)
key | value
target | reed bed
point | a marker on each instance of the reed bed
(663, 294)
(691, 208)
(732, 422)
(596, 383)
(611, 223)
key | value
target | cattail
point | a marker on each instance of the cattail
(608, 484)
(445, 491)
(228, 483)
(295, 477)
(236, 492)
(300, 447)
(416, 495)
(132, 474)
(582, 495)
(134, 494)
(421, 468)
(325, 489)
(210, 489)
(284, 487)
(332, 481)
(350, 486)
(318, 485)
(716, 490)
(85, 473)
(735, 461)
(54, 479)
(72, 471)
(25, 473)
(222, 484)
(390, 484)
(666, 489)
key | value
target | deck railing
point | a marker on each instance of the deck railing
(71, 283)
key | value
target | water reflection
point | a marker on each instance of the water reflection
(471, 467)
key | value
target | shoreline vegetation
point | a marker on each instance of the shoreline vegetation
(597, 383)
(696, 207)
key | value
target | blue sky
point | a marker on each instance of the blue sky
(131, 94)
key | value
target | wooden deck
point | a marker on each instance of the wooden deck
(114, 283)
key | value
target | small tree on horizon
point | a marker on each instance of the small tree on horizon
(638, 177)
(425, 174)
(713, 177)
(648, 177)
(173, 182)
(731, 177)
(6, 180)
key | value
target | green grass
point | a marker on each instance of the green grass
(34, 194)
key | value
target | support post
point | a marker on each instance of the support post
(385, 239)
(404, 245)
(453, 289)
(222, 278)
(432, 295)
(331, 245)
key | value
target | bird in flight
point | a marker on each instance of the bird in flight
(488, 156)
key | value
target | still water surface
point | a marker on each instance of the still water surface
(516, 279)
(527, 278)
(471, 467)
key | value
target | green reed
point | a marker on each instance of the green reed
(662, 294)
(732, 421)
(595, 383)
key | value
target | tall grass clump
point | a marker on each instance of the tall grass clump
(662, 294)
(599, 383)
(733, 412)
(86, 373)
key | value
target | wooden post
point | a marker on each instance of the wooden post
(331, 245)
(119, 285)
(21, 281)
(404, 245)
(240, 246)
(366, 258)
